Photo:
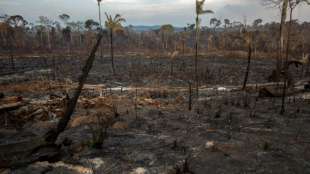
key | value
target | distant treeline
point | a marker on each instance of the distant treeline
(46, 35)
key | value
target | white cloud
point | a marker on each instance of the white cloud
(150, 12)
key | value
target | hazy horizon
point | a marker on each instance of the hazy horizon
(155, 12)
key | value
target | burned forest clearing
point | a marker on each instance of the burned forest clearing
(104, 98)
(149, 122)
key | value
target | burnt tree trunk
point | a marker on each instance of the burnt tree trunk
(308, 68)
(248, 66)
(12, 59)
(52, 136)
(286, 64)
(183, 47)
(171, 67)
(196, 57)
(281, 40)
(11, 37)
(19, 154)
(112, 51)
(190, 96)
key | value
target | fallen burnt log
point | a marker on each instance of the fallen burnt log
(274, 89)
(16, 154)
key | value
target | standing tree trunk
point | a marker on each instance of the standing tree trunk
(112, 51)
(52, 135)
(286, 65)
(101, 50)
(166, 43)
(80, 40)
(136, 103)
(41, 40)
(183, 47)
(249, 64)
(255, 50)
(171, 67)
(101, 45)
(10, 39)
(48, 40)
(196, 56)
(307, 68)
(55, 69)
(190, 96)
(163, 41)
(12, 58)
(281, 40)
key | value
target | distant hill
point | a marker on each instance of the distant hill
(142, 28)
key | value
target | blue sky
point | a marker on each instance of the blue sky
(147, 12)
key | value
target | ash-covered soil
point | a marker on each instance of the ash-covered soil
(227, 131)
(144, 70)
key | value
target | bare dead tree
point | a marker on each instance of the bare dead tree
(248, 39)
(52, 135)
(292, 5)
(283, 5)
(190, 96)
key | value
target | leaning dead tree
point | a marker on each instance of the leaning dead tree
(19, 154)
(248, 37)
(52, 135)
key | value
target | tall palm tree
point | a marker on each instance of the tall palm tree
(199, 11)
(99, 10)
(113, 24)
